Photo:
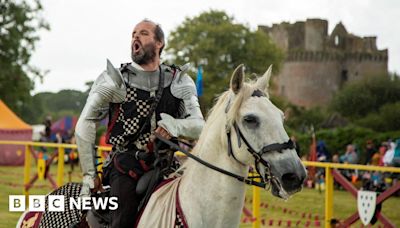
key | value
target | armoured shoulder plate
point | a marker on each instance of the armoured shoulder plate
(110, 85)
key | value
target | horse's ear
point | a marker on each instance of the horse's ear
(263, 82)
(237, 79)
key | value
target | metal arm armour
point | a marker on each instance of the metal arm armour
(183, 87)
(108, 87)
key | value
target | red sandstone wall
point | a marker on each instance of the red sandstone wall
(307, 83)
(358, 70)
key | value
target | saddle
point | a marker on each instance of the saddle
(163, 165)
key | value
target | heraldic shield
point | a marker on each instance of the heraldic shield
(366, 204)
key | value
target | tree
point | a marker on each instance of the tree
(360, 98)
(302, 119)
(386, 119)
(20, 22)
(64, 102)
(33, 112)
(214, 41)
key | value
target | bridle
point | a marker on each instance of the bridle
(257, 155)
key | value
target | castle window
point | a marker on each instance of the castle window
(282, 90)
(336, 40)
(344, 76)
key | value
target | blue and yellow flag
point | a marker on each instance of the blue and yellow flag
(199, 81)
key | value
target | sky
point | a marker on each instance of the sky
(84, 33)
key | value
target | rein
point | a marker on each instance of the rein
(243, 179)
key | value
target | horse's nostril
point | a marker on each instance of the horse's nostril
(289, 177)
(291, 181)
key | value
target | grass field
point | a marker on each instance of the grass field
(311, 202)
(304, 206)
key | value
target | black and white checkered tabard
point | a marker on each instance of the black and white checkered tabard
(131, 120)
(65, 218)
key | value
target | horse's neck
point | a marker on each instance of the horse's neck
(210, 198)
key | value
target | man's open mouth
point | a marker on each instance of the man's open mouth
(136, 46)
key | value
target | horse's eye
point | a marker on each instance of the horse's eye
(251, 121)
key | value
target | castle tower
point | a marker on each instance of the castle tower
(317, 64)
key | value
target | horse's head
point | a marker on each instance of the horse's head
(258, 136)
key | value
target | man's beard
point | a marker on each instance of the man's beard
(145, 55)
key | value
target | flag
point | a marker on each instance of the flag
(199, 81)
(313, 149)
(313, 156)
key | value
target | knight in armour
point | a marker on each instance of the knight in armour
(140, 98)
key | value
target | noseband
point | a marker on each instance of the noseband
(257, 155)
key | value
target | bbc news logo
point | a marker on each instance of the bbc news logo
(16, 203)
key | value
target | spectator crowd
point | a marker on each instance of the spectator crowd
(387, 153)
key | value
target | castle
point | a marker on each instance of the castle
(317, 64)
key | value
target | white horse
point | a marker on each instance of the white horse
(243, 122)
(243, 129)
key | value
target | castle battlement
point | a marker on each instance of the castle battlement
(318, 64)
(324, 56)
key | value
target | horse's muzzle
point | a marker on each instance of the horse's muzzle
(292, 182)
(288, 183)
